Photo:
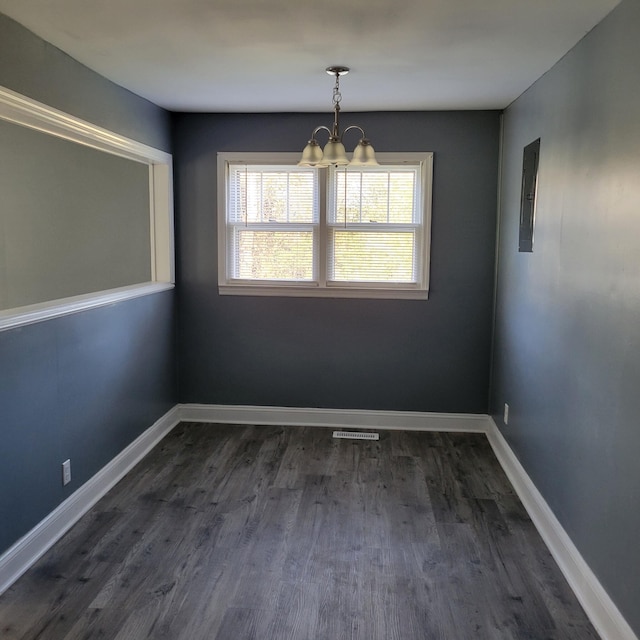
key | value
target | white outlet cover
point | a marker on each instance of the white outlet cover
(66, 472)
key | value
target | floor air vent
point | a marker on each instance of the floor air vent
(356, 435)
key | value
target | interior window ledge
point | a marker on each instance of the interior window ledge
(30, 314)
(323, 292)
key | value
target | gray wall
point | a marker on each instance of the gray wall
(84, 229)
(82, 386)
(567, 347)
(366, 354)
(37, 69)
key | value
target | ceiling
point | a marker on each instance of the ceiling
(270, 55)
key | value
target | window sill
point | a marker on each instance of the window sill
(30, 314)
(302, 291)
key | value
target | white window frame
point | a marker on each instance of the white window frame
(30, 113)
(320, 287)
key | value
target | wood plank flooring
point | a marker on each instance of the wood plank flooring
(241, 533)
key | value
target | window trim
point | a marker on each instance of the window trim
(322, 288)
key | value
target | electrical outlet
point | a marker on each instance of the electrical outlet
(505, 417)
(66, 472)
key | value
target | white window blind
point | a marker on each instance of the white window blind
(374, 225)
(289, 230)
(272, 218)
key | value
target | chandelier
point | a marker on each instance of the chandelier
(334, 152)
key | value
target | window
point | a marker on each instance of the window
(354, 232)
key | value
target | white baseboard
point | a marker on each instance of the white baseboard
(24, 553)
(598, 606)
(334, 418)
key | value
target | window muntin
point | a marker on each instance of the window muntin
(283, 228)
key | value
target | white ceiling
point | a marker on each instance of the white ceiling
(270, 55)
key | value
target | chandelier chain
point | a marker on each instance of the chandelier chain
(337, 96)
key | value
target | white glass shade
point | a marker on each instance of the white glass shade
(311, 155)
(334, 153)
(364, 155)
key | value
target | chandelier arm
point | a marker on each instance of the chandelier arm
(320, 128)
(354, 126)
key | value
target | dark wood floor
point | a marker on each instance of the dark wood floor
(238, 533)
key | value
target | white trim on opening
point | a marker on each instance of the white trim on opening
(30, 113)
